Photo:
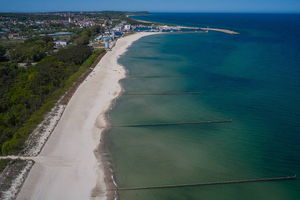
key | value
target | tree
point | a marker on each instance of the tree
(75, 54)
(96, 30)
(32, 50)
(82, 40)
(2, 51)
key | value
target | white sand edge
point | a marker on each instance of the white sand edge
(67, 167)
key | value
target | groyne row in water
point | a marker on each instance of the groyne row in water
(209, 183)
(175, 123)
(158, 76)
(161, 93)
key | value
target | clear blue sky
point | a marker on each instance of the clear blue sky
(152, 5)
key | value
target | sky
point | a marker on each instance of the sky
(151, 5)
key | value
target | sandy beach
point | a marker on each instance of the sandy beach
(69, 167)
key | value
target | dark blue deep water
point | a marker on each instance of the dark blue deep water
(252, 78)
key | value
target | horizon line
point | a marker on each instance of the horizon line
(213, 12)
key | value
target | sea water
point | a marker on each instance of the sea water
(252, 78)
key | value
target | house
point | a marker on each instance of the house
(13, 36)
(127, 27)
(117, 28)
(60, 43)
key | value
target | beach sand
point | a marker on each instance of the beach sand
(69, 167)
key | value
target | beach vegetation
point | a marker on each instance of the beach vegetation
(74, 54)
(2, 52)
(3, 164)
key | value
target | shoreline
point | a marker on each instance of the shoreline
(62, 161)
(103, 155)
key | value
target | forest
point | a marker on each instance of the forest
(28, 92)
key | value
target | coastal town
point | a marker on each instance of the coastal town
(62, 26)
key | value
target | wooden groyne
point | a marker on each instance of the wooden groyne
(175, 123)
(161, 93)
(158, 76)
(210, 183)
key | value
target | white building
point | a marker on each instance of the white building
(60, 43)
(98, 38)
(127, 27)
(117, 28)
(106, 40)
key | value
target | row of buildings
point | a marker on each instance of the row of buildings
(18, 26)
(108, 38)
(60, 27)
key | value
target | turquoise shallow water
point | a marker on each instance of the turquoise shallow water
(252, 79)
